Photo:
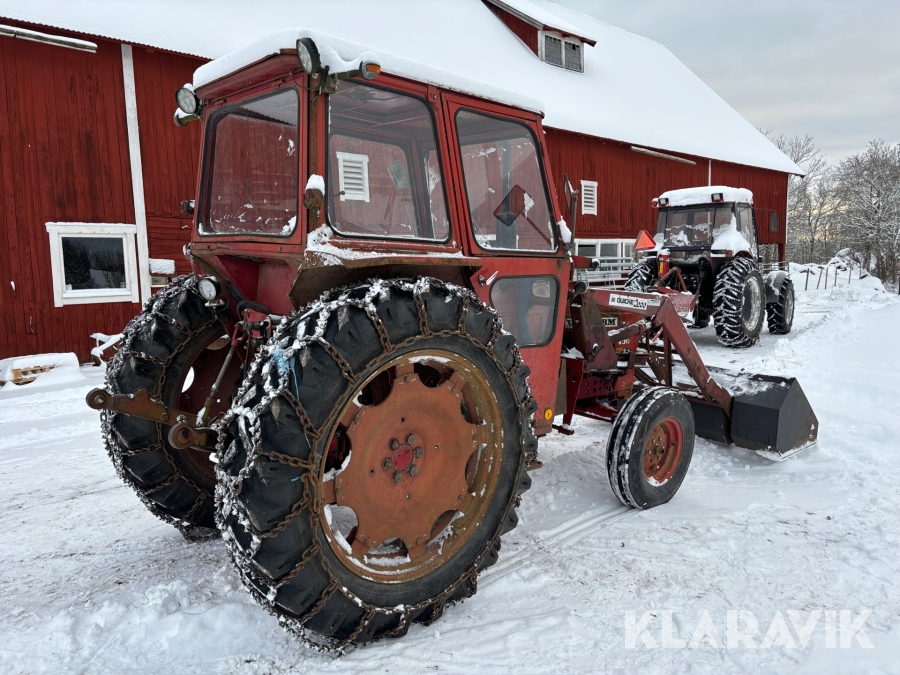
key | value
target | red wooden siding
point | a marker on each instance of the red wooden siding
(169, 154)
(629, 180)
(63, 157)
(523, 30)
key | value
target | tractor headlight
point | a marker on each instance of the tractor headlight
(187, 101)
(308, 54)
(209, 288)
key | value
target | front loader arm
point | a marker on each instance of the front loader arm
(662, 314)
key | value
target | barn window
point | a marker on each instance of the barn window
(565, 52)
(353, 176)
(92, 263)
(589, 197)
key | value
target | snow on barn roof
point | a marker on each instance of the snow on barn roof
(540, 17)
(632, 90)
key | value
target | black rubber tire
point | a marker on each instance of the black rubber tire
(732, 303)
(627, 443)
(289, 405)
(641, 275)
(156, 351)
(780, 314)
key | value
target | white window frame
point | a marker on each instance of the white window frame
(621, 243)
(559, 36)
(351, 156)
(126, 233)
(585, 186)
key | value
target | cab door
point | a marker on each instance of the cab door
(509, 219)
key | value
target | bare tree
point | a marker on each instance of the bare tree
(868, 205)
(810, 199)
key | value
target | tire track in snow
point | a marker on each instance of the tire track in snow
(547, 543)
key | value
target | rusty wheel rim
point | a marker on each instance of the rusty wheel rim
(411, 467)
(662, 454)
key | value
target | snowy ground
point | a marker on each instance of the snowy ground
(91, 583)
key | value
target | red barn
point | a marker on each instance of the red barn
(92, 169)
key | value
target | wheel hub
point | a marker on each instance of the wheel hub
(408, 463)
(662, 453)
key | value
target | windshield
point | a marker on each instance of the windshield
(692, 226)
(508, 201)
(384, 171)
(251, 179)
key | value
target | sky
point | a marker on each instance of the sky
(827, 68)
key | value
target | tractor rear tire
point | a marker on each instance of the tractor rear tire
(738, 301)
(158, 349)
(641, 275)
(780, 314)
(358, 403)
(650, 447)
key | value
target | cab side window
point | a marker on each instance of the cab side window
(508, 202)
(747, 226)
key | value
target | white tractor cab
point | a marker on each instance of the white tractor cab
(704, 255)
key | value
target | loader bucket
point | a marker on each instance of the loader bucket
(773, 417)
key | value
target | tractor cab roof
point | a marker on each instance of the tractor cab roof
(709, 194)
(340, 55)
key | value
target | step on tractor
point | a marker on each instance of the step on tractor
(382, 321)
(705, 257)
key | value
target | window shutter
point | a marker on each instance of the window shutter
(573, 56)
(589, 197)
(553, 50)
(353, 175)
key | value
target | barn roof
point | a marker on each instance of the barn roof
(633, 90)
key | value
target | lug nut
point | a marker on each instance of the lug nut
(395, 444)
(387, 463)
(410, 439)
(418, 452)
(412, 470)
(398, 476)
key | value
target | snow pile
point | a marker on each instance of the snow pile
(316, 182)
(837, 273)
(65, 372)
(727, 238)
(162, 266)
(703, 195)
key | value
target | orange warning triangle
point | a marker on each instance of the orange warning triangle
(644, 241)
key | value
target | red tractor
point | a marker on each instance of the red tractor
(705, 246)
(381, 324)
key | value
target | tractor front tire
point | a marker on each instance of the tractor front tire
(158, 351)
(650, 447)
(738, 303)
(780, 314)
(641, 275)
(377, 454)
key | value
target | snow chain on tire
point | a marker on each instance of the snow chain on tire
(780, 314)
(151, 344)
(269, 501)
(728, 303)
(640, 276)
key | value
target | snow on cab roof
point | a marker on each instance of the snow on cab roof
(632, 89)
(341, 55)
(703, 195)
